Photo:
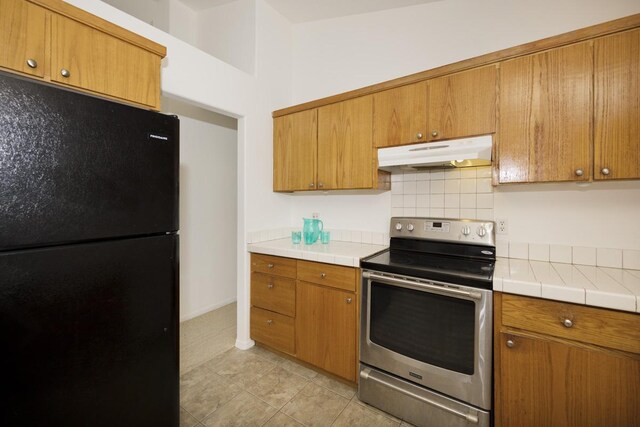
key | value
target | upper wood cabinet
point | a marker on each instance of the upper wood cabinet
(60, 43)
(545, 116)
(400, 115)
(345, 148)
(89, 59)
(617, 106)
(22, 37)
(295, 151)
(462, 104)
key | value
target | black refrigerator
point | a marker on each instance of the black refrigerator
(88, 260)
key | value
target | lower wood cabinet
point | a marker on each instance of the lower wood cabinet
(554, 367)
(326, 328)
(308, 310)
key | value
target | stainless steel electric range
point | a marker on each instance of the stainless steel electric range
(426, 323)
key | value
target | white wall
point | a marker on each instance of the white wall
(154, 12)
(228, 32)
(336, 55)
(183, 22)
(208, 216)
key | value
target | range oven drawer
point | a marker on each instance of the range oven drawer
(416, 405)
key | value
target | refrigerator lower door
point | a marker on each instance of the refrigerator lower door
(90, 334)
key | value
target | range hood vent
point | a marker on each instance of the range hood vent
(455, 153)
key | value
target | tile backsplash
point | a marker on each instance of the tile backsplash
(446, 193)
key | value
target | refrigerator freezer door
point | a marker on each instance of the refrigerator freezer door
(74, 167)
(90, 334)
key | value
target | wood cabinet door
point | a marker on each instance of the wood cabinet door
(617, 106)
(551, 383)
(295, 151)
(22, 37)
(400, 115)
(102, 63)
(545, 116)
(463, 104)
(326, 328)
(345, 146)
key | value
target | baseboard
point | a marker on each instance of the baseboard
(207, 309)
(245, 344)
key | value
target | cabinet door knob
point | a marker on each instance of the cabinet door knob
(434, 133)
(270, 286)
(32, 63)
(419, 135)
(269, 322)
(320, 185)
(567, 323)
(579, 172)
(311, 185)
(270, 265)
(323, 275)
(510, 343)
(605, 171)
(348, 300)
(65, 73)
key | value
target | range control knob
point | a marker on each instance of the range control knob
(466, 230)
(410, 227)
(398, 226)
(481, 231)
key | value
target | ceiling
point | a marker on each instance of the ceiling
(313, 10)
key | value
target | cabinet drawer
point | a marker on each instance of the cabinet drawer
(327, 274)
(590, 325)
(278, 266)
(274, 293)
(273, 329)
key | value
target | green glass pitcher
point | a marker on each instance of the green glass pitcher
(311, 230)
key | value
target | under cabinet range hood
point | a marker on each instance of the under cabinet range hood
(455, 153)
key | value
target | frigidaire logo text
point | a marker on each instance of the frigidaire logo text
(159, 137)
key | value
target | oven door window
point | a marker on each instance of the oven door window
(434, 329)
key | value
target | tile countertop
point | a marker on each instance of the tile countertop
(614, 288)
(335, 252)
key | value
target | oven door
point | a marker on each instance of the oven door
(434, 334)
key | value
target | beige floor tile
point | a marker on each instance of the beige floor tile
(186, 420)
(357, 415)
(406, 424)
(297, 368)
(277, 387)
(335, 386)
(243, 410)
(203, 397)
(207, 348)
(213, 322)
(266, 354)
(282, 420)
(315, 406)
(242, 368)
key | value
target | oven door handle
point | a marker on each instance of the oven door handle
(415, 284)
(368, 374)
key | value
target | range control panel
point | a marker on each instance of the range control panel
(475, 232)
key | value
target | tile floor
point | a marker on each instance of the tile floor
(259, 388)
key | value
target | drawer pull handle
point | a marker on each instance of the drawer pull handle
(269, 322)
(32, 63)
(510, 343)
(270, 265)
(348, 300)
(323, 275)
(567, 323)
(270, 286)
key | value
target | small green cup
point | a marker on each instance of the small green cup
(325, 236)
(296, 237)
